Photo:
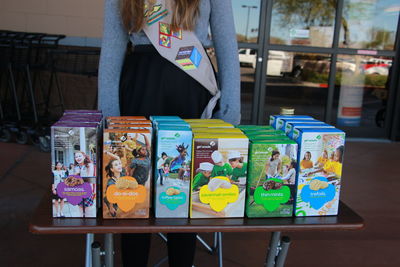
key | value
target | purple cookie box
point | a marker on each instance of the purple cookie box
(82, 111)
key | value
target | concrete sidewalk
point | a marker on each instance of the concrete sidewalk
(371, 179)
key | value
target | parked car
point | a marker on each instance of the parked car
(377, 70)
(376, 66)
(279, 62)
(247, 57)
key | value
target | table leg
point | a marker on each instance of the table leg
(220, 263)
(273, 249)
(109, 250)
(96, 254)
(285, 243)
(88, 256)
(163, 237)
(215, 240)
(210, 250)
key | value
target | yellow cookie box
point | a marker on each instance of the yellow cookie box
(218, 185)
(216, 130)
(211, 125)
(203, 120)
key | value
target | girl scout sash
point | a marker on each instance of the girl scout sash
(180, 47)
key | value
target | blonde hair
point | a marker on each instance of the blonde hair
(184, 14)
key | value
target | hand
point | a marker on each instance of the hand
(113, 212)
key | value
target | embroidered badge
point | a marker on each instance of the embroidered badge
(177, 34)
(158, 16)
(188, 57)
(166, 34)
(155, 9)
(165, 28)
(165, 41)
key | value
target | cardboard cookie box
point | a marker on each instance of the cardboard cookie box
(271, 178)
(319, 171)
(126, 173)
(219, 175)
(74, 165)
(172, 174)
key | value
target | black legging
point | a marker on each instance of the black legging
(181, 249)
(151, 85)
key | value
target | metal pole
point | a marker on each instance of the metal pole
(109, 250)
(220, 260)
(247, 24)
(161, 262)
(163, 237)
(210, 250)
(215, 241)
(96, 254)
(32, 94)
(273, 248)
(14, 92)
(285, 243)
(88, 256)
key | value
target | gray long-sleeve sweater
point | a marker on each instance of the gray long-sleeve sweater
(214, 14)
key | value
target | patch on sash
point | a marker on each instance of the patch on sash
(177, 34)
(155, 9)
(165, 41)
(188, 57)
(166, 34)
(158, 16)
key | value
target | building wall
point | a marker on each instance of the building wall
(77, 18)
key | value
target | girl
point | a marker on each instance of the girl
(274, 165)
(177, 163)
(84, 168)
(220, 168)
(166, 170)
(83, 165)
(239, 167)
(290, 175)
(114, 171)
(114, 152)
(332, 168)
(322, 160)
(160, 166)
(306, 163)
(203, 175)
(59, 174)
(186, 173)
(71, 169)
(140, 166)
(151, 83)
(130, 145)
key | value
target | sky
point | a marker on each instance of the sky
(241, 15)
(382, 13)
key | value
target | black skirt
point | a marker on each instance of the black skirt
(152, 85)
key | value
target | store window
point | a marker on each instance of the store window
(369, 24)
(307, 23)
(297, 80)
(361, 93)
(247, 59)
(246, 15)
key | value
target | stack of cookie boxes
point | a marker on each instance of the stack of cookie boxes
(75, 164)
(319, 169)
(172, 161)
(271, 172)
(200, 168)
(219, 170)
(126, 170)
